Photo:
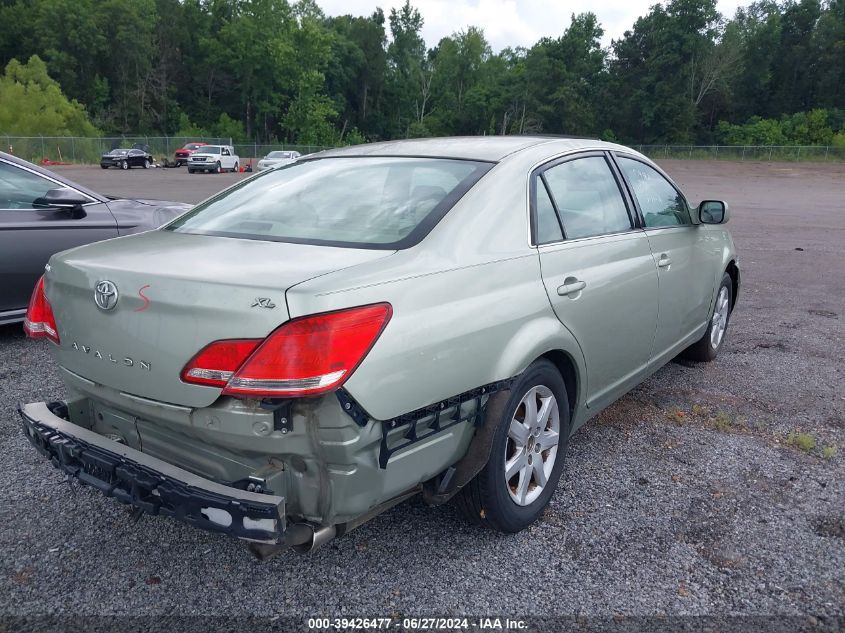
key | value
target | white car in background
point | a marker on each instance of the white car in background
(273, 159)
(215, 158)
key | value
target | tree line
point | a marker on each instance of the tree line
(283, 71)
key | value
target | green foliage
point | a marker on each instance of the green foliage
(32, 104)
(353, 137)
(676, 415)
(189, 130)
(802, 128)
(802, 441)
(227, 127)
(722, 421)
(260, 70)
(408, 80)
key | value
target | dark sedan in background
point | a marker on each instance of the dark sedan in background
(42, 213)
(136, 156)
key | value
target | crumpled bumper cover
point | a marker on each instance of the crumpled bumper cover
(151, 484)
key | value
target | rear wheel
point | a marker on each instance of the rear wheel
(708, 346)
(526, 458)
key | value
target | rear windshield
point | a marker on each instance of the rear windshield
(363, 202)
(279, 155)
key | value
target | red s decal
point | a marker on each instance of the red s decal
(146, 301)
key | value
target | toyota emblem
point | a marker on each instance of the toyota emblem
(105, 295)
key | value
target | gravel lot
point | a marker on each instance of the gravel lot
(686, 497)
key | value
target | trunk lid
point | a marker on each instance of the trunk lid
(176, 293)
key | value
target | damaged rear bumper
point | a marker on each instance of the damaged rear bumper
(151, 484)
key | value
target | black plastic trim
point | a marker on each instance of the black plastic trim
(145, 488)
(438, 423)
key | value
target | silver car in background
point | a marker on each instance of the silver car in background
(274, 159)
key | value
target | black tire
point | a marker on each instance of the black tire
(703, 350)
(190, 171)
(236, 167)
(147, 163)
(104, 166)
(486, 499)
(219, 169)
(124, 164)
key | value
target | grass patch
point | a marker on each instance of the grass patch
(678, 416)
(722, 421)
(802, 441)
(700, 410)
(829, 452)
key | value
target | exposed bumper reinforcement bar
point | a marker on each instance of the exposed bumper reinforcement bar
(151, 484)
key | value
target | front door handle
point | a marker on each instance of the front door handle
(663, 261)
(571, 286)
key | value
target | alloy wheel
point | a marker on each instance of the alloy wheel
(531, 447)
(720, 318)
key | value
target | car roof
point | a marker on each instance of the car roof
(51, 174)
(483, 148)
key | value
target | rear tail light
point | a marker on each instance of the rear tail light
(39, 321)
(304, 357)
(217, 362)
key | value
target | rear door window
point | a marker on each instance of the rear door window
(588, 198)
(547, 225)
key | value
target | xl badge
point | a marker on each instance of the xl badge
(263, 302)
(105, 295)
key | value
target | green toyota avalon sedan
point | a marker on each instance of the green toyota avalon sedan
(326, 339)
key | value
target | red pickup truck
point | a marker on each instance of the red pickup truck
(183, 153)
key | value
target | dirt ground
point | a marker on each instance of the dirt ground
(711, 489)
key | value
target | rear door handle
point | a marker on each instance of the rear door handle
(663, 261)
(571, 287)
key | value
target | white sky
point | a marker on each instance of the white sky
(511, 22)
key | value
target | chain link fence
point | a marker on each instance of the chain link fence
(75, 149)
(810, 153)
(256, 151)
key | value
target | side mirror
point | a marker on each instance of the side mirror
(64, 198)
(713, 212)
